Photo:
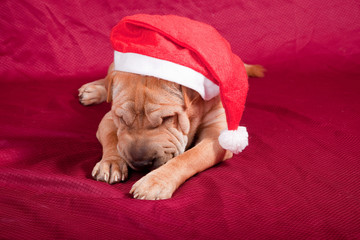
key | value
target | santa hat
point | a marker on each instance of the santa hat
(190, 53)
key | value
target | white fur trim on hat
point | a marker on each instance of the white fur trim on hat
(145, 65)
(234, 140)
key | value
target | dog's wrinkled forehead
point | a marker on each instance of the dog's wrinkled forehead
(137, 96)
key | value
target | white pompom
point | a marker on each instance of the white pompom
(234, 140)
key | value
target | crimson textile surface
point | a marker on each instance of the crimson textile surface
(298, 179)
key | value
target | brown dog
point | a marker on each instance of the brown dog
(157, 125)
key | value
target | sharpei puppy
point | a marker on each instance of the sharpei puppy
(156, 125)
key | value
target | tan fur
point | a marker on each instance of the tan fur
(254, 70)
(158, 125)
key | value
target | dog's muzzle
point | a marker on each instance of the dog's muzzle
(142, 154)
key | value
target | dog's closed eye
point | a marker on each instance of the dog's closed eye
(167, 118)
(161, 120)
(126, 119)
(179, 119)
(121, 119)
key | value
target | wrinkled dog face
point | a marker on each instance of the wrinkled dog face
(151, 120)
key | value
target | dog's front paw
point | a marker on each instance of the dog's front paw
(153, 186)
(110, 171)
(92, 94)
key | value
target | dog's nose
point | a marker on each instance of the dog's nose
(142, 155)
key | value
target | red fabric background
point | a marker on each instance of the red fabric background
(298, 179)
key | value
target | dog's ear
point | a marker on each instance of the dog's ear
(109, 80)
(190, 96)
(184, 122)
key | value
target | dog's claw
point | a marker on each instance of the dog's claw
(110, 171)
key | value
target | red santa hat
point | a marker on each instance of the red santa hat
(190, 53)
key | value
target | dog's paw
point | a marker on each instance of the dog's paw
(110, 171)
(92, 94)
(153, 186)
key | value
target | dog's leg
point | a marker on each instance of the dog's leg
(94, 92)
(112, 168)
(255, 70)
(162, 182)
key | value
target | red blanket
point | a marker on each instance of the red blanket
(298, 179)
